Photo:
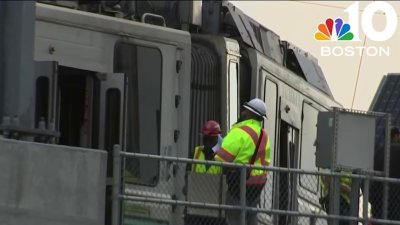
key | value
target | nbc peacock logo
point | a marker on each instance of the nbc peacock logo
(334, 31)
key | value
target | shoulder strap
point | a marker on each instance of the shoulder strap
(253, 158)
(256, 140)
(253, 135)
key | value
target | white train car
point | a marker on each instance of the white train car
(104, 80)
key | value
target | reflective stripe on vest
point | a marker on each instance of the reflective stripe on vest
(257, 176)
(225, 155)
(251, 133)
(197, 152)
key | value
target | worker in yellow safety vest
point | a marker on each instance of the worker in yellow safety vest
(246, 143)
(345, 193)
(212, 139)
(211, 136)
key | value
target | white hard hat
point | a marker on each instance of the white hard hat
(256, 106)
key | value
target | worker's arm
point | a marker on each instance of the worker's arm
(230, 146)
(268, 151)
(345, 185)
(343, 188)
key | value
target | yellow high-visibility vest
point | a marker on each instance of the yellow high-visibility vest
(344, 181)
(239, 146)
(202, 168)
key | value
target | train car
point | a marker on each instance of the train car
(150, 79)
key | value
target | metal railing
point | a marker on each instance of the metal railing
(290, 196)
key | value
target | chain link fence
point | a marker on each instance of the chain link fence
(176, 195)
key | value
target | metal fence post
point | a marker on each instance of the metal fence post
(354, 199)
(116, 185)
(386, 166)
(334, 186)
(365, 200)
(243, 195)
(334, 198)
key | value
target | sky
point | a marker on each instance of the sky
(297, 21)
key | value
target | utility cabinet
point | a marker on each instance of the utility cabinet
(346, 139)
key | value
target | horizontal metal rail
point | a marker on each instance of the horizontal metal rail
(272, 210)
(267, 168)
(238, 207)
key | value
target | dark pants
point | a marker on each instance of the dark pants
(344, 209)
(252, 199)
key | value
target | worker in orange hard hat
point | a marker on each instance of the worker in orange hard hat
(212, 139)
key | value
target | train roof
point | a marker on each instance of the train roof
(108, 24)
(208, 17)
(299, 84)
(264, 40)
(387, 99)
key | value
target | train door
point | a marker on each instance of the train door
(151, 126)
(308, 185)
(270, 96)
(287, 155)
(89, 108)
(111, 105)
(111, 108)
(46, 94)
(75, 102)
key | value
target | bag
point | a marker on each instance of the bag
(213, 185)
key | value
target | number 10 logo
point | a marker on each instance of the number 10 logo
(338, 30)
(367, 21)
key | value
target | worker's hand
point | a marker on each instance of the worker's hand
(217, 147)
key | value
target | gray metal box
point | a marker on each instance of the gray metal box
(206, 188)
(354, 134)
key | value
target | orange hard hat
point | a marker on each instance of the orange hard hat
(211, 128)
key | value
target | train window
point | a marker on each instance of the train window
(143, 66)
(270, 96)
(233, 93)
(308, 137)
